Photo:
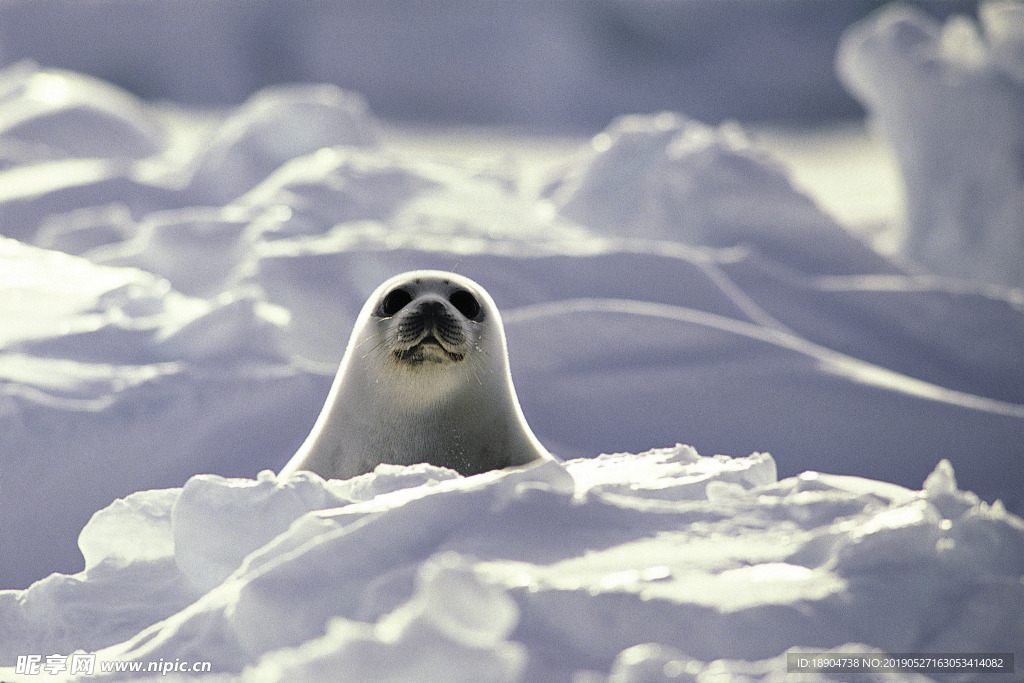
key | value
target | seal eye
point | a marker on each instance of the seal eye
(465, 303)
(395, 301)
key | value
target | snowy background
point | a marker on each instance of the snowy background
(545, 63)
(185, 253)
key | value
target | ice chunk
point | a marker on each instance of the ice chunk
(950, 100)
(387, 478)
(448, 572)
(942, 481)
(906, 565)
(667, 177)
(677, 473)
(985, 539)
(218, 521)
(454, 624)
(129, 566)
(104, 605)
(131, 529)
(64, 114)
(275, 125)
(940, 490)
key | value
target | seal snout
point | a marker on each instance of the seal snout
(431, 332)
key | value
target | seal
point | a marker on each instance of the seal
(425, 378)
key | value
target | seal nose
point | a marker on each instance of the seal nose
(431, 307)
(431, 310)
(432, 316)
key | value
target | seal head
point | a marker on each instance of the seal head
(425, 378)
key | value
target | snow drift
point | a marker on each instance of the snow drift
(627, 563)
(187, 335)
(178, 287)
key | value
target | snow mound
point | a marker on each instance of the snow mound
(453, 623)
(667, 177)
(208, 511)
(950, 99)
(211, 279)
(610, 564)
(178, 287)
(57, 114)
(274, 126)
(95, 361)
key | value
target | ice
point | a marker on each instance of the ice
(453, 623)
(211, 509)
(235, 326)
(66, 307)
(58, 114)
(651, 177)
(274, 126)
(941, 482)
(533, 63)
(949, 97)
(177, 287)
(82, 230)
(137, 527)
(677, 473)
(196, 250)
(367, 565)
(760, 313)
(98, 360)
(129, 567)
(104, 605)
(32, 194)
(48, 293)
(540, 573)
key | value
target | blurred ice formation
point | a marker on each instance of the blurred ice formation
(950, 99)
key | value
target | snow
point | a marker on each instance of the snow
(178, 286)
(950, 99)
(534, 574)
(534, 62)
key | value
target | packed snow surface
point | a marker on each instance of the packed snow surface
(627, 564)
(179, 286)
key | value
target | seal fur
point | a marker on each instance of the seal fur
(425, 378)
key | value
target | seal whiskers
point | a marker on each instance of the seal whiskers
(425, 378)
